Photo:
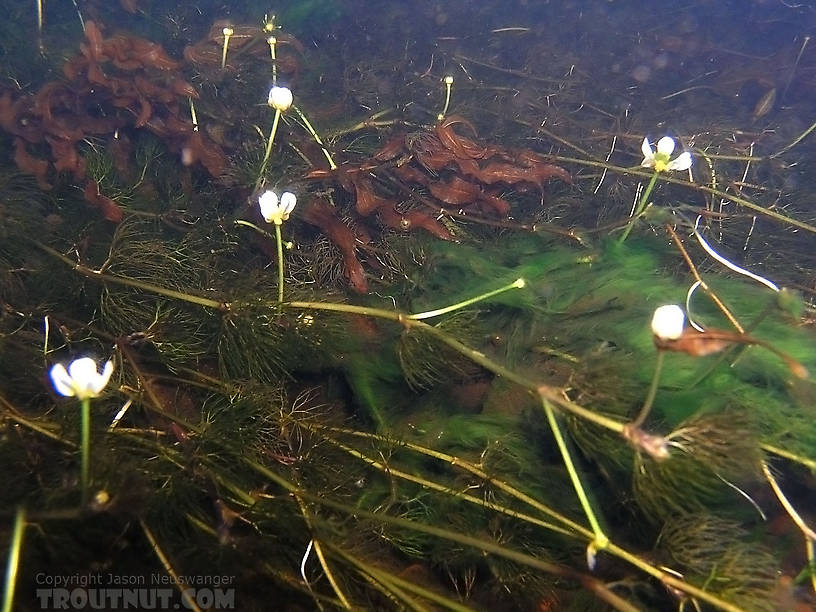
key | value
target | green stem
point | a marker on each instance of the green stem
(516, 284)
(261, 231)
(316, 137)
(601, 540)
(129, 282)
(280, 262)
(661, 575)
(487, 546)
(86, 448)
(268, 152)
(647, 405)
(14, 559)
(644, 200)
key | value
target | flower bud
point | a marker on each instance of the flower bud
(280, 98)
(668, 322)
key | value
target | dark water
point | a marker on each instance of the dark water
(454, 399)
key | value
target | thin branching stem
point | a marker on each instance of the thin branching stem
(786, 504)
(307, 517)
(390, 580)
(279, 241)
(781, 452)
(467, 466)
(434, 486)
(694, 186)
(666, 578)
(189, 603)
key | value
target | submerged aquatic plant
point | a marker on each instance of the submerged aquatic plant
(82, 381)
(277, 211)
(280, 99)
(660, 157)
(227, 32)
(448, 80)
(507, 461)
(660, 160)
(719, 553)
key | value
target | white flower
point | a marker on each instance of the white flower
(280, 98)
(660, 159)
(81, 380)
(274, 211)
(668, 322)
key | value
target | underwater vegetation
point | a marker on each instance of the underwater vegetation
(384, 306)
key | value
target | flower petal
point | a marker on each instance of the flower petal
(287, 203)
(83, 377)
(665, 146)
(101, 380)
(82, 370)
(62, 381)
(268, 203)
(681, 162)
(646, 148)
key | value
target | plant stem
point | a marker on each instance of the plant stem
(13, 563)
(129, 282)
(262, 232)
(664, 577)
(321, 557)
(189, 604)
(392, 472)
(787, 505)
(516, 284)
(644, 200)
(316, 137)
(790, 456)
(730, 197)
(549, 393)
(468, 467)
(647, 405)
(592, 584)
(85, 445)
(477, 357)
(601, 540)
(795, 142)
(269, 144)
(280, 263)
(390, 580)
